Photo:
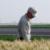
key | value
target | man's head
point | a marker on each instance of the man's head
(31, 13)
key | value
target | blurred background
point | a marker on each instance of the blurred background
(10, 13)
(12, 10)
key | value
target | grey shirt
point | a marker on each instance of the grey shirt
(24, 26)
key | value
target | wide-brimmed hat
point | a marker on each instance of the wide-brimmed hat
(32, 10)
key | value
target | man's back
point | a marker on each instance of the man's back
(24, 27)
(24, 24)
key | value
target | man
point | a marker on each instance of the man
(24, 26)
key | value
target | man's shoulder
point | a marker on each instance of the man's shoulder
(23, 18)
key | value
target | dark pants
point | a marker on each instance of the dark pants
(20, 36)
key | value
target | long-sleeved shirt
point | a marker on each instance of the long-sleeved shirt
(24, 26)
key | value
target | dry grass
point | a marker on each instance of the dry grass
(24, 45)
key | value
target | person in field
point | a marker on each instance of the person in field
(24, 26)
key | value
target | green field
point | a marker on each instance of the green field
(41, 26)
(8, 26)
(13, 37)
(33, 26)
(8, 37)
